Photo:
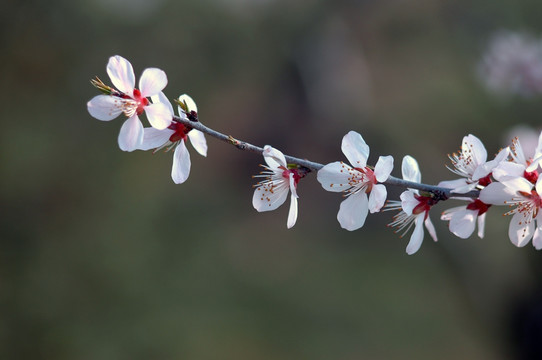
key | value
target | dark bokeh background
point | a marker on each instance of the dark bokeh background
(103, 257)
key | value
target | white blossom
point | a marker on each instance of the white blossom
(361, 184)
(463, 219)
(471, 163)
(279, 179)
(131, 101)
(414, 208)
(174, 136)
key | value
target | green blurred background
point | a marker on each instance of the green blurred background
(103, 257)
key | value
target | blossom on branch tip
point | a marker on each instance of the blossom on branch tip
(174, 136)
(360, 183)
(130, 101)
(414, 208)
(279, 178)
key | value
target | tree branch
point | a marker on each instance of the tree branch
(438, 192)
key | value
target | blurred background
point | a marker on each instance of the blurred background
(103, 257)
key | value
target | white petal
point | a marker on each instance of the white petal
(481, 225)
(507, 169)
(162, 98)
(377, 198)
(430, 228)
(273, 157)
(355, 149)
(416, 238)
(105, 107)
(537, 156)
(159, 115)
(410, 169)
(537, 238)
(502, 155)
(539, 185)
(334, 177)
(482, 171)
(266, 200)
(518, 155)
(291, 182)
(292, 213)
(459, 186)
(383, 168)
(131, 134)
(121, 73)
(190, 103)
(449, 213)
(408, 201)
(181, 164)
(537, 161)
(153, 138)
(487, 168)
(463, 222)
(198, 141)
(519, 231)
(539, 145)
(152, 82)
(518, 184)
(473, 145)
(353, 211)
(496, 194)
(453, 184)
(464, 189)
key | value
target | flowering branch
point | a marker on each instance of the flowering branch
(439, 192)
(511, 178)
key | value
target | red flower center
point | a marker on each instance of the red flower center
(298, 174)
(531, 176)
(485, 181)
(368, 177)
(181, 131)
(478, 205)
(141, 101)
(424, 204)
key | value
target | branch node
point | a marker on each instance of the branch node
(238, 144)
(440, 195)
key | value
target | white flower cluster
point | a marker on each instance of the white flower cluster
(510, 178)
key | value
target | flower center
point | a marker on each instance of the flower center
(297, 174)
(424, 204)
(181, 131)
(478, 205)
(368, 177)
(531, 176)
(531, 204)
(141, 102)
(485, 181)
